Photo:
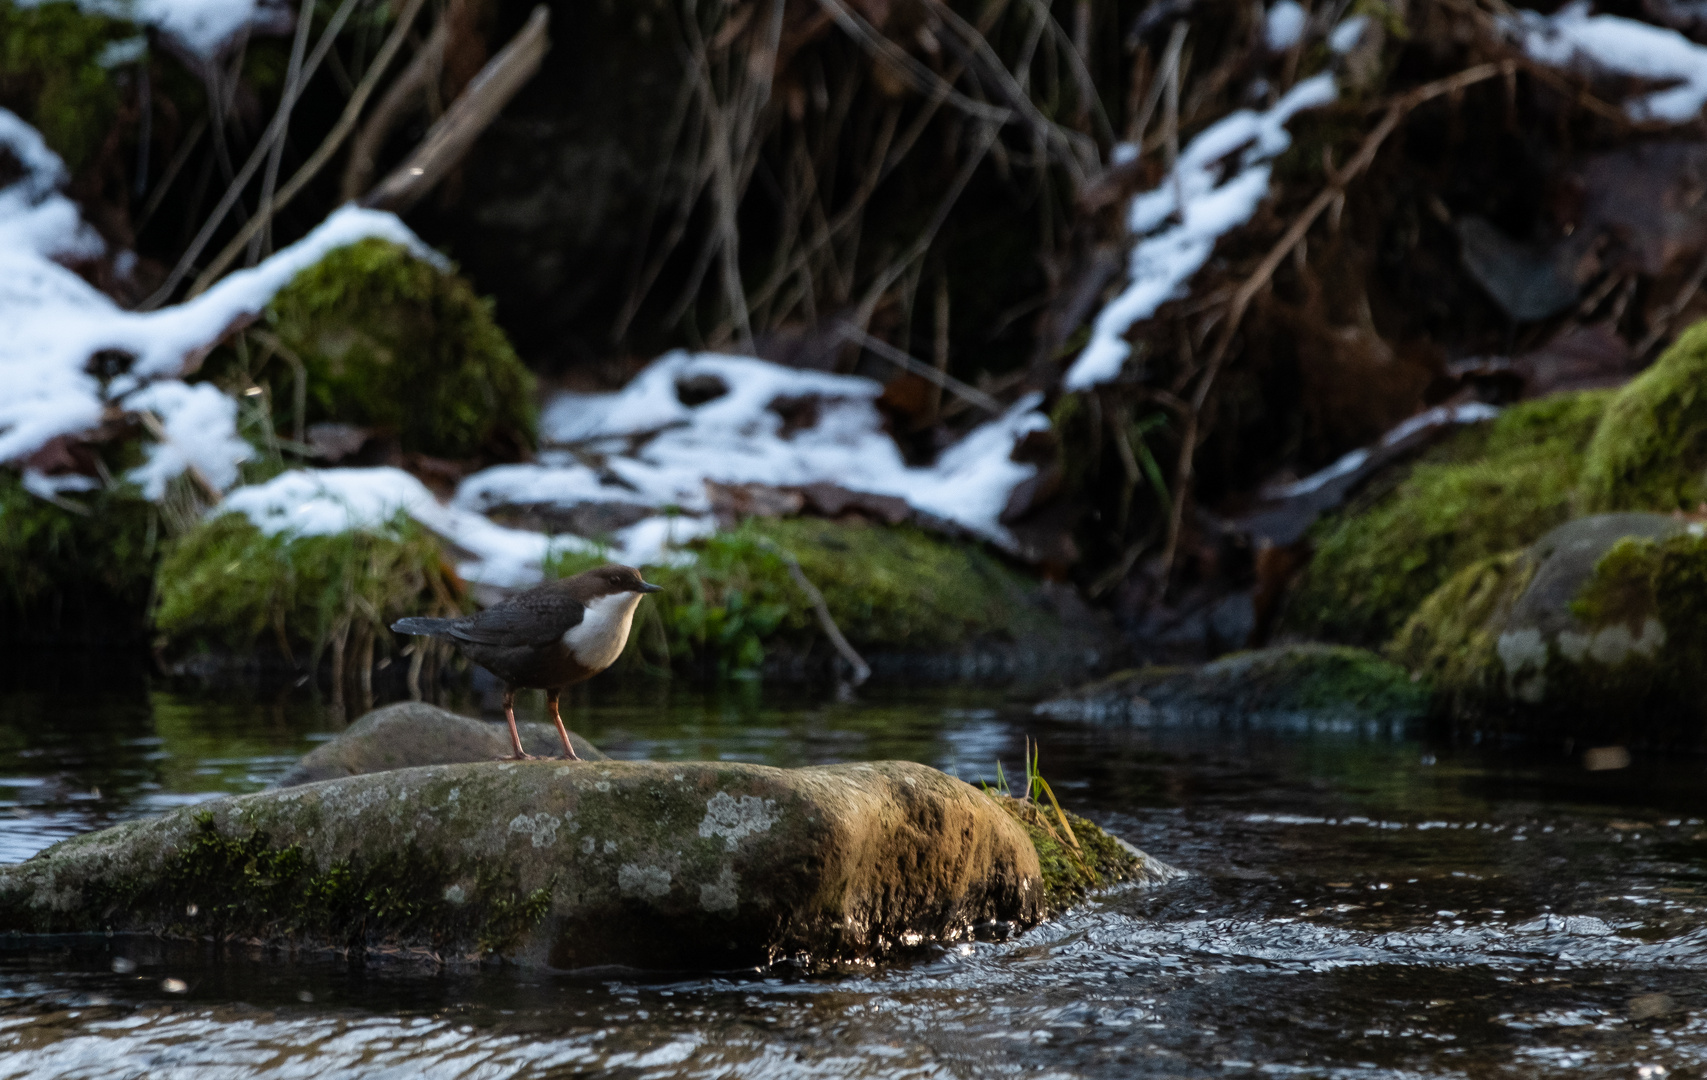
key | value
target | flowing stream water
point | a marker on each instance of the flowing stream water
(1362, 902)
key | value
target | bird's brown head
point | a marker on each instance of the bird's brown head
(609, 580)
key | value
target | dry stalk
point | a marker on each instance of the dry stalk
(334, 139)
(1259, 278)
(293, 87)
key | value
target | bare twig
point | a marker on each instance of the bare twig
(340, 131)
(861, 670)
(275, 130)
(906, 65)
(405, 93)
(292, 87)
(472, 112)
(1396, 111)
(923, 370)
(173, 167)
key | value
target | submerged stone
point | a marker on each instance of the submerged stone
(1594, 631)
(412, 733)
(1293, 683)
(652, 864)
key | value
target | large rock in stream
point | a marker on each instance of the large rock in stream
(651, 864)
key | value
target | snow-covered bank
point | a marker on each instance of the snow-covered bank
(1573, 38)
(767, 424)
(55, 322)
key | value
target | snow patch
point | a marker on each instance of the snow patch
(203, 26)
(1284, 26)
(1179, 221)
(1573, 38)
(768, 424)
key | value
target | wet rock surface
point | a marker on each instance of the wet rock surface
(651, 864)
(1591, 631)
(412, 733)
(1324, 683)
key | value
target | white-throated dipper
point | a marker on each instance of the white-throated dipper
(549, 637)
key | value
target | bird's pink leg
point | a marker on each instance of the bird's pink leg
(568, 749)
(515, 736)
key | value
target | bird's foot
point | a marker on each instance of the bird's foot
(568, 756)
(521, 757)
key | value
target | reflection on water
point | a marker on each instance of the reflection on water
(1362, 904)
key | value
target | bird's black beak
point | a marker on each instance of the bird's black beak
(647, 586)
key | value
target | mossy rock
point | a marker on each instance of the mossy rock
(1596, 631)
(392, 342)
(1313, 683)
(1650, 450)
(51, 77)
(226, 585)
(652, 864)
(887, 587)
(75, 577)
(1486, 490)
(1077, 858)
(413, 733)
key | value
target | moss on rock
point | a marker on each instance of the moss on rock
(393, 342)
(1650, 450)
(1333, 682)
(1086, 861)
(50, 74)
(1487, 490)
(227, 584)
(886, 586)
(74, 576)
(1596, 630)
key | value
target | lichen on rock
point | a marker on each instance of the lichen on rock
(1594, 630)
(565, 864)
(391, 341)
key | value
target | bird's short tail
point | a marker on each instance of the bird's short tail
(422, 626)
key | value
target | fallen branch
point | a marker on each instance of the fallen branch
(1259, 278)
(861, 670)
(472, 113)
(340, 131)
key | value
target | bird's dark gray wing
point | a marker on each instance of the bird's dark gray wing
(533, 618)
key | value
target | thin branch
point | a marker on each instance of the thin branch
(923, 370)
(275, 130)
(861, 670)
(470, 114)
(405, 93)
(292, 87)
(340, 131)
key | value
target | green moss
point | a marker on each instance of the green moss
(244, 886)
(1451, 639)
(49, 75)
(226, 583)
(71, 574)
(886, 587)
(390, 341)
(1484, 492)
(1650, 450)
(1070, 873)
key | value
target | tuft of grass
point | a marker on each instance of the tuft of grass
(227, 584)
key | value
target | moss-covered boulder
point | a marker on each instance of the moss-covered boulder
(1595, 631)
(226, 585)
(656, 864)
(898, 593)
(1314, 683)
(391, 341)
(1486, 490)
(1650, 450)
(52, 75)
(413, 733)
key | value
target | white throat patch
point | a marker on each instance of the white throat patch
(597, 640)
